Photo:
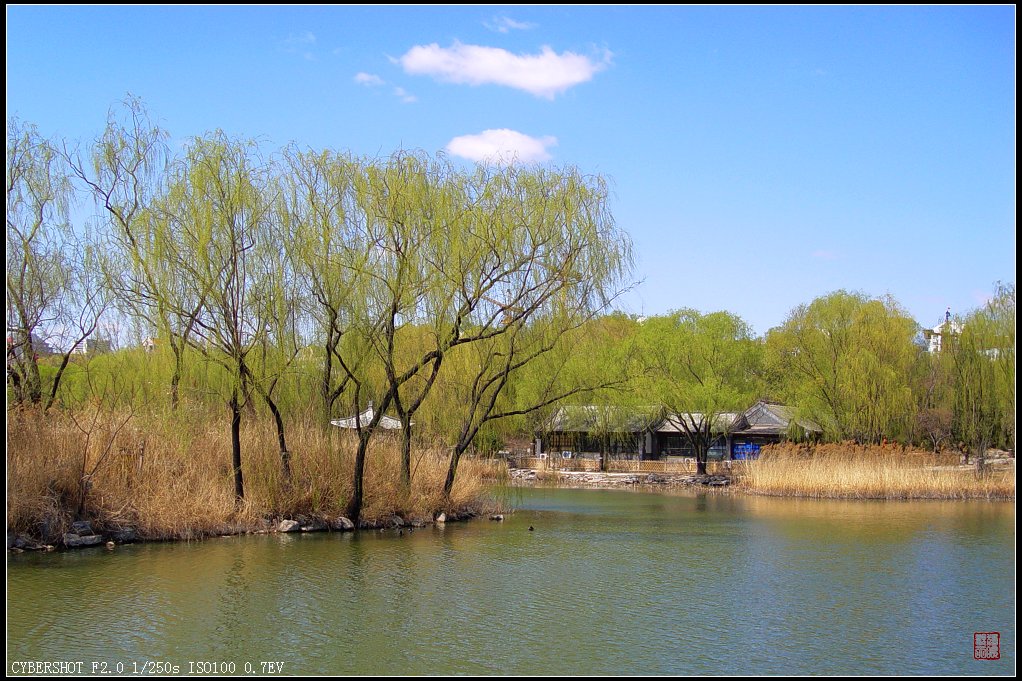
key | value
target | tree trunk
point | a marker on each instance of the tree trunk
(31, 384)
(285, 456)
(354, 510)
(246, 392)
(56, 380)
(239, 483)
(406, 452)
(175, 379)
(468, 433)
(452, 470)
(325, 379)
(981, 458)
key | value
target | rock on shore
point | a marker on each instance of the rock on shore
(614, 480)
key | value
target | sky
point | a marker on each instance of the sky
(759, 157)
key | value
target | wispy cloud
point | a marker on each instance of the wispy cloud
(504, 24)
(368, 79)
(502, 146)
(824, 255)
(405, 96)
(302, 43)
(371, 80)
(546, 74)
(301, 38)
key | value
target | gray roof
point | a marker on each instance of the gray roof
(771, 418)
(762, 418)
(677, 423)
(594, 418)
(386, 422)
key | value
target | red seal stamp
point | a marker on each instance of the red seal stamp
(986, 645)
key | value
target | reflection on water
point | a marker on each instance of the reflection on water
(608, 583)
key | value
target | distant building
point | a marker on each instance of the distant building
(94, 346)
(646, 433)
(934, 337)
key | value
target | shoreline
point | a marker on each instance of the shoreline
(86, 537)
(83, 535)
(527, 477)
(735, 483)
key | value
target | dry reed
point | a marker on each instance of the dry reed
(849, 471)
(170, 476)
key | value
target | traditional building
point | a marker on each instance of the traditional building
(589, 431)
(767, 423)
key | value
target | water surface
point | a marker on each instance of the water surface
(609, 582)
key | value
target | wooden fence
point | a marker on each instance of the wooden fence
(558, 464)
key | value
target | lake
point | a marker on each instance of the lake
(608, 582)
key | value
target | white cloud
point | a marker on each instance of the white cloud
(545, 74)
(300, 39)
(373, 80)
(825, 255)
(405, 96)
(368, 79)
(301, 43)
(507, 24)
(502, 146)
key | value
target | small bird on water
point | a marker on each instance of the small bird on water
(531, 528)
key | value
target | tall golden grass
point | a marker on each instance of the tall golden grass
(170, 476)
(849, 471)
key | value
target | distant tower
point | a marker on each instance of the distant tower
(947, 315)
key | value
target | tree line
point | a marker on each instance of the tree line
(305, 275)
(856, 368)
(309, 284)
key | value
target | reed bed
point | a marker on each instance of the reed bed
(170, 477)
(849, 471)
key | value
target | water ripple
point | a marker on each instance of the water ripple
(607, 583)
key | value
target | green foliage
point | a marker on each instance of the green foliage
(981, 356)
(695, 363)
(472, 303)
(37, 239)
(846, 361)
(701, 367)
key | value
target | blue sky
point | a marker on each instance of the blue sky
(760, 156)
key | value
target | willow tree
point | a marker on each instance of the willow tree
(80, 304)
(126, 174)
(846, 361)
(319, 222)
(217, 207)
(547, 258)
(38, 258)
(702, 368)
(525, 372)
(446, 259)
(982, 361)
(406, 218)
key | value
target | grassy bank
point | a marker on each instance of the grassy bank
(170, 477)
(869, 472)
